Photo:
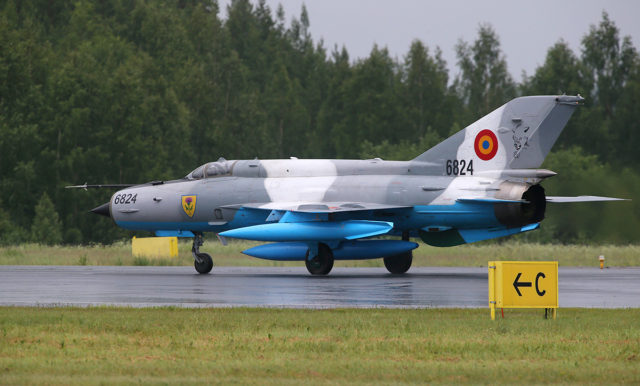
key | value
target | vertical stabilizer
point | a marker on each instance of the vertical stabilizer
(517, 135)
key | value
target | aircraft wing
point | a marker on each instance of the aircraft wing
(309, 221)
(562, 200)
(317, 207)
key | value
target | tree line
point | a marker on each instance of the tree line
(121, 91)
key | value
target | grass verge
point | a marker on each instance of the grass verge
(284, 346)
(230, 255)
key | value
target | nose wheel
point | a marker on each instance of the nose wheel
(201, 261)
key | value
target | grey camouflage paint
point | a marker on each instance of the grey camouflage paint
(526, 129)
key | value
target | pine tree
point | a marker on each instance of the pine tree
(425, 82)
(485, 82)
(10, 233)
(46, 227)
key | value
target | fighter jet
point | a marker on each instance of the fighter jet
(481, 183)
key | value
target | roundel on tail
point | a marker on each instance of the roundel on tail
(486, 145)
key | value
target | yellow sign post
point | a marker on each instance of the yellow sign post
(523, 284)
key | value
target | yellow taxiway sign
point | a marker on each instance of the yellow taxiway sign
(523, 284)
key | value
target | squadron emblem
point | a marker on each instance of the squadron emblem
(189, 205)
(486, 145)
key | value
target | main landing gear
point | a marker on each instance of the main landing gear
(202, 261)
(322, 262)
(400, 263)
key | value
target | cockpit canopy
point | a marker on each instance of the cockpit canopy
(221, 167)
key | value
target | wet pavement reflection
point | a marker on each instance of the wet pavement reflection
(293, 287)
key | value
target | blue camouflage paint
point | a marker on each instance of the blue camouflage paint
(348, 250)
(311, 231)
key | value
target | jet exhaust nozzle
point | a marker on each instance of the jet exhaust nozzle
(519, 214)
(102, 210)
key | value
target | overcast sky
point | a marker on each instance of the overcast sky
(526, 28)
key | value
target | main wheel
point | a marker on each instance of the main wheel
(205, 265)
(322, 263)
(400, 263)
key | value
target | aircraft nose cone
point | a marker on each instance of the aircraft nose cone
(102, 210)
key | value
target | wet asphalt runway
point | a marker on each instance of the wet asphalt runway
(293, 287)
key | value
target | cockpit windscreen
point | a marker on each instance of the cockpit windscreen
(221, 167)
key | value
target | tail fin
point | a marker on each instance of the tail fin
(518, 135)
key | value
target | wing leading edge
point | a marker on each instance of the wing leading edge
(317, 207)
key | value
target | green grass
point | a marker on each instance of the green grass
(466, 255)
(284, 346)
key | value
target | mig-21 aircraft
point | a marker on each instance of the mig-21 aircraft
(479, 184)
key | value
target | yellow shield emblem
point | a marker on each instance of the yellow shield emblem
(189, 205)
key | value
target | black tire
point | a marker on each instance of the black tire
(206, 265)
(322, 263)
(398, 264)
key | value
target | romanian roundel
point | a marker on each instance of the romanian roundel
(486, 145)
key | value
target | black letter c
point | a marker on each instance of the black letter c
(538, 276)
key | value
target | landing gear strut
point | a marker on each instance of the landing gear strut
(322, 263)
(202, 261)
(400, 263)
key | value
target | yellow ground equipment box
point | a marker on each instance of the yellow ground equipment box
(523, 284)
(154, 246)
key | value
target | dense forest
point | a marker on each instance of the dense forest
(122, 91)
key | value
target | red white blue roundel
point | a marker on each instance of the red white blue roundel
(486, 145)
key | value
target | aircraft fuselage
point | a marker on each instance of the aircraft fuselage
(402, 192)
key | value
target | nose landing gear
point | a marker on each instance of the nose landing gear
(201, 261)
